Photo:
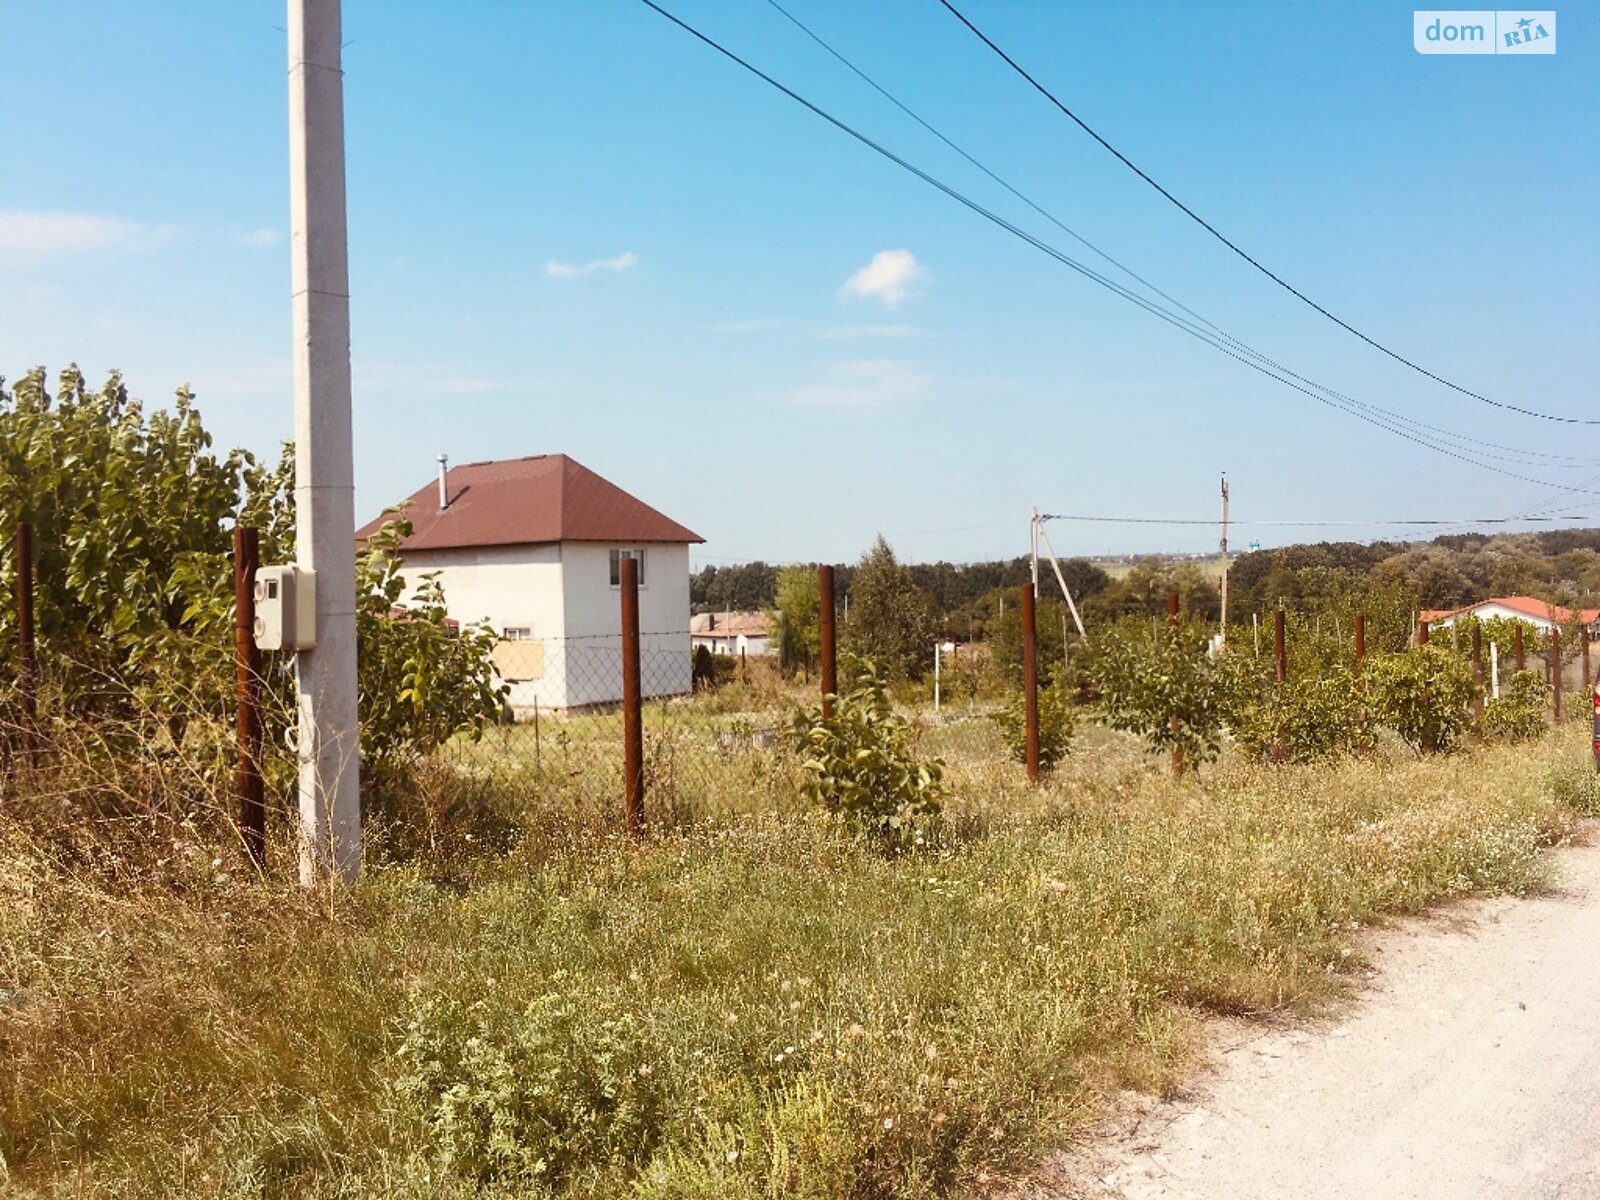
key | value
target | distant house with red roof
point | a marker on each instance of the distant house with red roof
(1539, 613)
(732, 633)
(532, 546)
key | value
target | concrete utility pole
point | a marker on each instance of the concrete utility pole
(324, 476)
(1224, 556)
(1033, 548)
(1040, 533)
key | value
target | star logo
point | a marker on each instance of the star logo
(1524, 23)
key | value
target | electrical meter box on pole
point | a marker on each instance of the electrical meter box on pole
(286, 608)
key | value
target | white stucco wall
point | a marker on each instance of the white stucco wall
(1485, 611)
(510, 587)
(734, 644)
(563, 595)
(594, 622)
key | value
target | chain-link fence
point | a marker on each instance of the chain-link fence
(565, 728)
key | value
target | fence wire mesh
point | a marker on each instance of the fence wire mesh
(564, 724)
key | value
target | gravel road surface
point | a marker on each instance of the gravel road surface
(1468, 1067)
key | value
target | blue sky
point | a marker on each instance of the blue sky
(574, 228)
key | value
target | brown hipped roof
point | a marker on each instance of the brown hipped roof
(524, 501)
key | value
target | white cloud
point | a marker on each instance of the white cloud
(260, 239)
(26, 236)
(839, 333)
(561, 270)
(890, 277)
(862, 383)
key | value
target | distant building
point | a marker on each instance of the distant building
(1539, 613)
(533, 546)
(732, 633)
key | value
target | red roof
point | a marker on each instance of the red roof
(1528, 606)
(526, 501)
(725, 624)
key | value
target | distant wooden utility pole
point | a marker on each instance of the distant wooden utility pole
(1224, 557)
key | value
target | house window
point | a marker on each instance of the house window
(616, 569)
(516, 633)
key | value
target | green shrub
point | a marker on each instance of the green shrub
(1057, 719)
(1519, 714)
(533, 1098)
(1307, 720)
(1146, 678)
(1424, 694)
(1577, 785)
(711, 670)
(861, 762)
(421, 682)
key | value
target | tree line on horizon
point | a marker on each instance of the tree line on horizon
(971, 601)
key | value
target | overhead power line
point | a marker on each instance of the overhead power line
(1525, 457)
(1211, 523)
(1231, 245)
(1222, 343)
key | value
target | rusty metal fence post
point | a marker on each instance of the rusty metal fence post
(1422, 633)
(27, 667)
(1280, 659)
(1477, 671)
(1555, 672)
(1030, 684)
(632, 699)
(247, 783)
(1517, 647)
(1583, 642)
(1172, 623)
(827, 647)
(1361, 639)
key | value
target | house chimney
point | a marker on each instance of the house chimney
(444, 494)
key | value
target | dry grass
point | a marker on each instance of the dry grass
(754, 1005)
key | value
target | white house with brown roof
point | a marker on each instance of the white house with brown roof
(734, 633)
(531, 545)
(1539, 613)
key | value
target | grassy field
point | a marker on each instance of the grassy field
(515, 1001)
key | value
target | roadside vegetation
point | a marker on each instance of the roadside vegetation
(855, 955)
(754, 1003)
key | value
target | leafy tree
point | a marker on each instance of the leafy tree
(1519, 715)
(798, 617)
(133, 581)
(1055, 656)
(1144, 589)
(861, 762)
(1057, 719)
(1312, 718)
(1147, 677)
(1424, 694)
(709, 670)
(421, 682)
(745, 587)
(890, 620)
(131, 516)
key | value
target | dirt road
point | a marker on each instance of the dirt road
(1470, 1068)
